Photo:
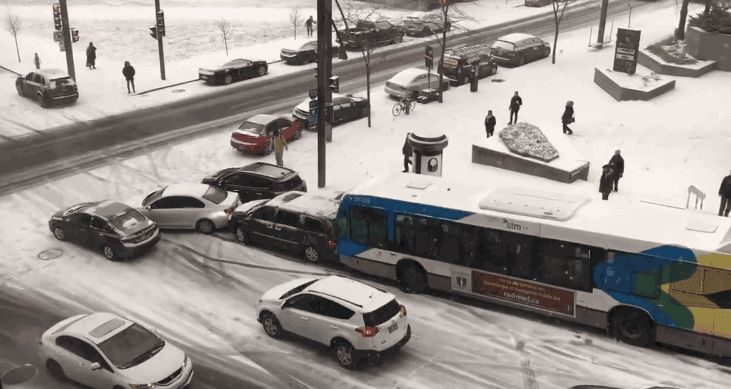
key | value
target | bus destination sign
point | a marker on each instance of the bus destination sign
(524, 292)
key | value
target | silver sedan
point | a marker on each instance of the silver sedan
(190, 206)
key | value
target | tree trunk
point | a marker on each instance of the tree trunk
(16, 45)
(368, 85)
(707, 9)
(445, 9)
(225, 43)
(555, 42)
(681, 24)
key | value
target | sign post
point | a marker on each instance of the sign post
(626, 51)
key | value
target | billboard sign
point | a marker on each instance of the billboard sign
(524, 292)
(627, 50)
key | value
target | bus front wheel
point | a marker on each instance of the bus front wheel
(633, 327)
(412, 278)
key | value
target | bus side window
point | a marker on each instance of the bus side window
(491, 251)
(404, 236)
(450, 250)
(341, 224)
(520, 255)
(368, 226)
(427, 238)
(468, 245)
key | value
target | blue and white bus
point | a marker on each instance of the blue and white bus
(646, 273)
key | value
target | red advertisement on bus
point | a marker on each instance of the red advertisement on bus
(524, 292)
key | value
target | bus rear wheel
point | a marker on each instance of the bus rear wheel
(412, 278)
(633, 327)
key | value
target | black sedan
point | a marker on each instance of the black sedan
(345, 108)
(117, 230)
(235, 70)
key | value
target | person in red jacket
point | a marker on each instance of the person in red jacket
(725, 192)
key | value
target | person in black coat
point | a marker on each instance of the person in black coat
(407, 150)
(515, 104)
(618, 162)
(725, 192)
(490, 124)
(568, 117)
(129, 74)
(91, 56)
(605, 181)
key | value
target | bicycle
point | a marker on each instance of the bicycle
(401, 106)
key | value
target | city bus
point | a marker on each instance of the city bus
(642, 272)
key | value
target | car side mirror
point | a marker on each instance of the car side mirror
(149, 207)
(95, 366)
(284, 305)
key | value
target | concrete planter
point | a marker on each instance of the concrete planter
(709, 46)
(622, 92)
(657, 65)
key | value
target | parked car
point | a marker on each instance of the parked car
(410, 82)
(302, 54)
(232, 71)
(367, 34)
(47, 86)
(424, 24)
(255, 134)
(294, 221)
(259, 180)
(519, 49)
(102, 350)
(345, 108)
(116, 229)
(355, 320)
(458, 63)
(537, 3)
(190, 206)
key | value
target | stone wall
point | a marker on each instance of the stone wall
(709, 46)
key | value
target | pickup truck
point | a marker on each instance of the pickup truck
(371, 34)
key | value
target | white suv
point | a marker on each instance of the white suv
(356, 320)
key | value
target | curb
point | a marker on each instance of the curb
(11, 71)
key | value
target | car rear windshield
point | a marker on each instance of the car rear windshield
(131, 346)
(127, 220)
(503, 45)
(215, 195)
(152, 197)
(58, 82)
(382, 314)
(256, 128)
(288, 185)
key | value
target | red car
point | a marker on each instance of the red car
(256, 133)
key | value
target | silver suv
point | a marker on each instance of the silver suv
(357, 321)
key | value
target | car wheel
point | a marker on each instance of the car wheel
(494, 70)
(633, 327)
(398, 38)
(271, 325)
(465, 80)
(346, 355)
(364, 112)
(55, 370)
(42, 101)
(521, 61)
(547, 52)
(412, 278)
(425, 31)
(261, 71)
(59, 233)
(312, 255)
(269, 148)
(228, 79)
(298, 133)
(205, 226)
(242, 235)
(20, 90)
(108, 252)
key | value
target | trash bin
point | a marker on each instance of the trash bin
(427, 153)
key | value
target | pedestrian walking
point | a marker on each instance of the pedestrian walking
(129, 74)
(37, 61)
(515, 104)
(490, 124)
(725, 193)
(309, 26)
(91, 56)
(605, 181)
(407, 150)
(280, 144)
(618, 162)
(568, 117)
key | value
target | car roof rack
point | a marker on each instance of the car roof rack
(469, 49)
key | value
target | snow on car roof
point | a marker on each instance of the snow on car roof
(261, 118)
(515, 37)
(53, 73)
(197, 190)
(352, 291)
(307, 203)
(96, 323)
(407, 75)
(108, 209)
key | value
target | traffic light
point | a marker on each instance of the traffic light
(161, 23)
(429, 57)
(153, 32)
(74, 35)
(57, 23)
(335, 84)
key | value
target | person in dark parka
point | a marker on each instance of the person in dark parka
(618, 162)
(490, 124)
(725, 192)
(91, 56)
(129, 74)
(407, 150)
(605, 181)
(515, 103)
(568, 117)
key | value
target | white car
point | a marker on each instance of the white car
(190, 206)
(410, 82)
(356, 320)
(105, 351)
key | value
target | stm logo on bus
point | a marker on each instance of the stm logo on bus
(513, 226)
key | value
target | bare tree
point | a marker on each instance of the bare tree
(452, 22)
(13, 24)
(557, 19)
(225, 28)
(295, 16)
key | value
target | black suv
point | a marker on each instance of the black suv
(118, 230)
(294, 221)
(259, 180)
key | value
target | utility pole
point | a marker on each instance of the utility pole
(445, 11)
(324, 72)
(67, 40)
(160, 24)
(602, 22)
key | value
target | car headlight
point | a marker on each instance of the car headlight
(142, 386)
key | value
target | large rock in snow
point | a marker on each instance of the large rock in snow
(528, 140)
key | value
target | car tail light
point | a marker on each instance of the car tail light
(367, 331)
(402, 312)
(74, 87)
(230, 212)
(51, 90)
(332, 245)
